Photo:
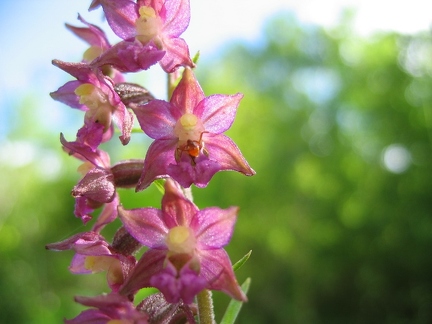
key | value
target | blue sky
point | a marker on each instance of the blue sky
(33, 34)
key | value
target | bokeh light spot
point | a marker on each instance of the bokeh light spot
(396, 158)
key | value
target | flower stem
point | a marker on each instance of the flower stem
(172, 77)
(188, 193)
(205, 307)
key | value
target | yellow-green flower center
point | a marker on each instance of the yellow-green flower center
(102, 263)
(99, 108)
(188, 127)
(84, 168)
(92, 52)
(188, 121)
(181, 239)
(148, 26)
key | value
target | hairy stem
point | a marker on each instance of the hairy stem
(205, 307)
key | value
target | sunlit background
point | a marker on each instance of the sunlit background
(336, 120)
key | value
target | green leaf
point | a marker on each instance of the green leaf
(145, 292)
(196, 57)
(136, 130)
(160, 185)
(234, 306)
(242, 261)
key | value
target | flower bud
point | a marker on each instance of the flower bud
(127, 173)
(133, 94)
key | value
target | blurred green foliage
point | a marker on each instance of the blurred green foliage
(338, 128)
(336, 236)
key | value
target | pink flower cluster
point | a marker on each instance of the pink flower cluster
(185, 246)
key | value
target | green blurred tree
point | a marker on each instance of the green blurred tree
(338, 128)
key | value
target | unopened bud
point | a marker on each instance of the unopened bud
(127, 173)
(132, 94)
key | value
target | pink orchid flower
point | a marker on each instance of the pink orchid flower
(110, 308)
(93, 254)
(189, 145)
(94, 93)
(96, 38)
(186, 251)
(155, 22)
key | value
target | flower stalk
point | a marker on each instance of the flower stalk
(205, 307)
(171, 83)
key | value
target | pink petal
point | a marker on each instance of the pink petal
(177, 55)
(158, 118)
(121, 16)
(150, 264)
(177, 17)
(80, 242)
(188, 93)
(81, 71)
(94, 4)
(102, 301)
(83, 209)
(84, 244)
(178, 286)
(129, 56)
(92, 34)
(222, 149)
(77, 265)
(159, 155)
(107, 215)
(166, 282)
(216, 268)
(217, 112)
(123, 118)
(200, 174)
(214, 227)
(177, 210)
(93, 316)
(112, 306)
(92, 134)
(157, 5)
(145, 225)
(108, 134)
(84, 152)
(66, 94)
